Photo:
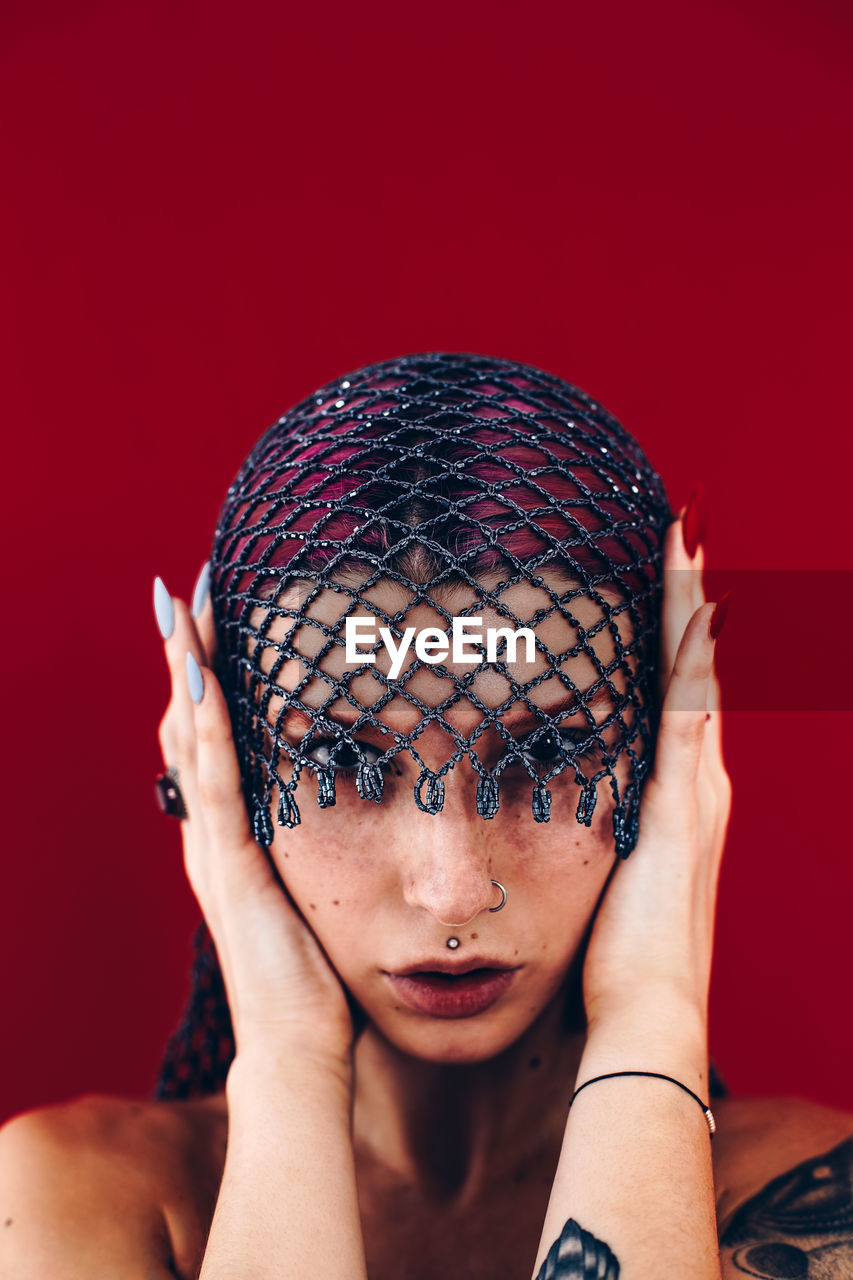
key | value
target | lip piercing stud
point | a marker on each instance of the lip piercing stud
(453, 943)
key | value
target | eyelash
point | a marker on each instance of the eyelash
(349, 770)
(343, 771)
(566, 736)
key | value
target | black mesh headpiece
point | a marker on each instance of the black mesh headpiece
(410, 493)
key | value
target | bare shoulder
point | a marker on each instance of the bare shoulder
(783, 1169)
(99, 1185)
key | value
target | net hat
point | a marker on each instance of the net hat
(425, 494)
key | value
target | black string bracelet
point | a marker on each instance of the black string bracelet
(657, 1075)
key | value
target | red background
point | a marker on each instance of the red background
(210, 211)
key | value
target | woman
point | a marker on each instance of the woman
(462, 899)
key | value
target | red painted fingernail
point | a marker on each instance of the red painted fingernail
(718, 617)
(693, 524)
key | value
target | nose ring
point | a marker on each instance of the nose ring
(453, 943)
(502, 902)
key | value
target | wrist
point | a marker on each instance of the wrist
(668, 1035)
(664, 1007)
(265, 1068)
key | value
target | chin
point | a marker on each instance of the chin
(457, 1041)
(463, 1049)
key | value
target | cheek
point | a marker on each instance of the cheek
(340, 869)
(331, 866)
(561, 875)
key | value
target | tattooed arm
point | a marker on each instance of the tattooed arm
(800, 1226)
(577, 1255)
(635, 1177)
(635, 1167)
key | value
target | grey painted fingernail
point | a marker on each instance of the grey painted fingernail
(164, 610)
(195, 680)
(202, 587)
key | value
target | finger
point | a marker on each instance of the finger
(185, 636)
(177, 734)
(714, 731)
(201, 590)
(697, 586)
(711, 758)
(202, 613)
(679, 596)
(682, 724)
(217, 775)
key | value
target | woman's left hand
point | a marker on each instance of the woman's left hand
(652, 936)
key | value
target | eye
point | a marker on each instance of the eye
(548, 748)
(342, 755)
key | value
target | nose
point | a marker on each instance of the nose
(447, 869)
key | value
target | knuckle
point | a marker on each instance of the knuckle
(208, 731)
(720, 775)
(692, 668)
(213, 724)
(725, 794)
(184, 742)
(172, 746)
(687, 728)
(194, 865)
(673, 809)
(209, 792)
(176, 738)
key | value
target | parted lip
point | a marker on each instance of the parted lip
(448, 966)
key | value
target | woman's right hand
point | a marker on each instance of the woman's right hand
(282, 990)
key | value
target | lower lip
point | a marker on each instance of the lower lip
(444, 996)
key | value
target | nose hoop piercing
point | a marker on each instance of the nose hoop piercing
(453, 943)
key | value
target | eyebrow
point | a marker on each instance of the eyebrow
(562, 706)
(570, 704)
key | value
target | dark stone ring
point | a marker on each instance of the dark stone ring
(168, 793)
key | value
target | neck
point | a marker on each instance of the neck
(453, 1130)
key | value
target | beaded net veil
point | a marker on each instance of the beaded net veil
(415, 497)
(418, 491)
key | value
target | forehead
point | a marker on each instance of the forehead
(576, 659)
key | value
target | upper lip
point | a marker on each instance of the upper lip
(448, 966)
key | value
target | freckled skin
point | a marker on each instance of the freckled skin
(385, 884)
(406, 881)
(416, 877)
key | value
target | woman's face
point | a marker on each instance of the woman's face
(384, 886)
